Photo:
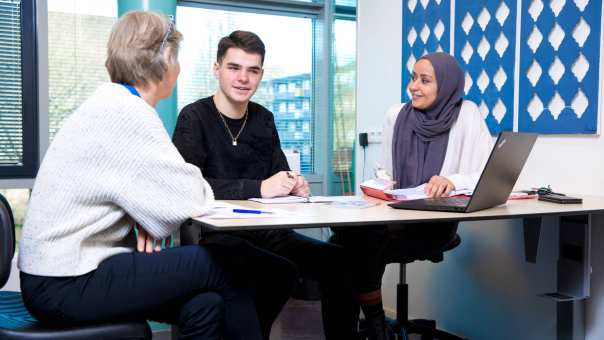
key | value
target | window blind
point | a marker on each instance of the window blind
(11, 113)
(18, 89)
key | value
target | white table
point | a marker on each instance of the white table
(573, 220)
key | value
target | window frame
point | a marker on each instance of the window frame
(346, 13)
(30, 101)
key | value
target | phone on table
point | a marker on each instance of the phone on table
(562, 199)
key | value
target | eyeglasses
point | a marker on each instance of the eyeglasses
(167, 35)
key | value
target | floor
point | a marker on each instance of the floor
(299, 320)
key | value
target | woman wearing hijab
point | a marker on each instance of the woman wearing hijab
(110, 168)
(438, 139)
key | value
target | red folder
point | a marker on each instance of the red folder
(377, 193)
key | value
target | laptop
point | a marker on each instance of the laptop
(496, 181)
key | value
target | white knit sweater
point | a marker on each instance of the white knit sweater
(468, 148)
(112, 163)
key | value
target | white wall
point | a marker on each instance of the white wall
(379, 56)
(485, 282)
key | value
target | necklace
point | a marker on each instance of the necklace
(233, 138)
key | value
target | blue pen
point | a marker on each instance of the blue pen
(250, 211)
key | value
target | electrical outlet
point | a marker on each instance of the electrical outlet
(374, 136)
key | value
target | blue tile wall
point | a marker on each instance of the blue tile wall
(559, 60)
(485, 42)
(559, 41)
(426, 28)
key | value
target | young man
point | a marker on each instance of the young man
(235, 143)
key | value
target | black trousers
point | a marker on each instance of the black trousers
(368, 250)
(270, 262)
(180, 286)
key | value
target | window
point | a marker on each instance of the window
(18, 80)
(288, 63)
(77, 38)
(344, 109)
(350, 3)
(291, 88)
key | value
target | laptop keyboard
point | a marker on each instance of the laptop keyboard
(448, 201)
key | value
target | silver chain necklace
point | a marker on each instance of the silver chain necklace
(233, 138)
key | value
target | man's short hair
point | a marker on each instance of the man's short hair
(137, 46)
(247, 41)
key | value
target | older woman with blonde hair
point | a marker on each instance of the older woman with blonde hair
(110, 168)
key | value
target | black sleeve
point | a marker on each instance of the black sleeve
(188, 139)
(279, 162)
(235, 189)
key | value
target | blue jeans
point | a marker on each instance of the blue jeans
(180, 286)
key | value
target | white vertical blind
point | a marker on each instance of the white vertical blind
(11, 112)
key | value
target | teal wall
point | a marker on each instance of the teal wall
(167, 108)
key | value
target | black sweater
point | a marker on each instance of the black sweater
(234, 172)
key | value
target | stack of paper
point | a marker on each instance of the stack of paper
(281, 200)
(418, 193)
(311, 199)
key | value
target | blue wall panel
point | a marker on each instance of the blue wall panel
(485, 40)
(556, 97)
(425, 30)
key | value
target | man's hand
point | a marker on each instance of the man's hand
(146, 243)
(439, 186)
(280, 184)
(301, 188)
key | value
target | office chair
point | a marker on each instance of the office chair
(17, 323)
(402, 326)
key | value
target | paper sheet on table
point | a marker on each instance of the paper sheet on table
(311, 199)
(281, 200)
(418, 193)
(223, 210)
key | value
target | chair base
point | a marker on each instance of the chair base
(130, 331)
(426, 329)
(17, 324)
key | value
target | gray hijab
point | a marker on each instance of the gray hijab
(420, 137)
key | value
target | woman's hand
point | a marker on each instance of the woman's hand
(146, 243)
(439, 186)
